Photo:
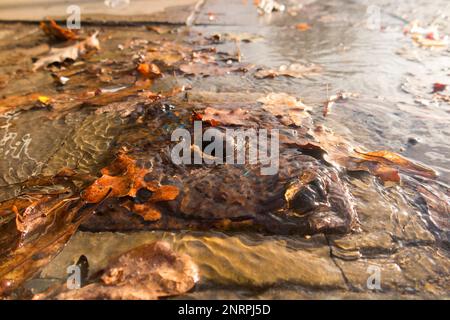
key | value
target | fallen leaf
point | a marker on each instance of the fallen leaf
(236, 116)
(295, 70)
(43, 225)
(438, 87)
(44, 100)
(386, 165)
(395, 160)
(71, 52)
(149, 70)
(303, 26)
(288, 109)
(148, 272)
(123, 177)
(53, 30)
(168, 53)
(442, 97)
(119, 179)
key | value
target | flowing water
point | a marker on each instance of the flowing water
(393, 109)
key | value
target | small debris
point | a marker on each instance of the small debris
(295, 70)
(438, 87)
(342, 95)
(268, 6)
(303, 26)
(426, 36)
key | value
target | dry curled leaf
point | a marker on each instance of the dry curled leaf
(386, 165)
(53, 30)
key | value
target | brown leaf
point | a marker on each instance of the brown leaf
(71, 52)
(288, 109)
(169, 53)
(393, 160)
(42, 230)
(384, 164)
(148, 272)
(149, 70)
(53, 30)
(121, 178)
(237, 116)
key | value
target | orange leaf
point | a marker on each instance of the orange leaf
(53, 30)
(165, 193)
(148, 210)
(124, 178)
(149, 70)
(303, 26)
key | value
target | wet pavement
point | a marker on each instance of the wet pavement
(223, 221)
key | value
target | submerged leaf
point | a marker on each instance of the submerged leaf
(148, 272)
(288, 109)
(125, 178)
(215, 116)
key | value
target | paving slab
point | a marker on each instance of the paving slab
(159, 11)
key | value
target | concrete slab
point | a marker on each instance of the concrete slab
(161, 11)
(230, 12)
